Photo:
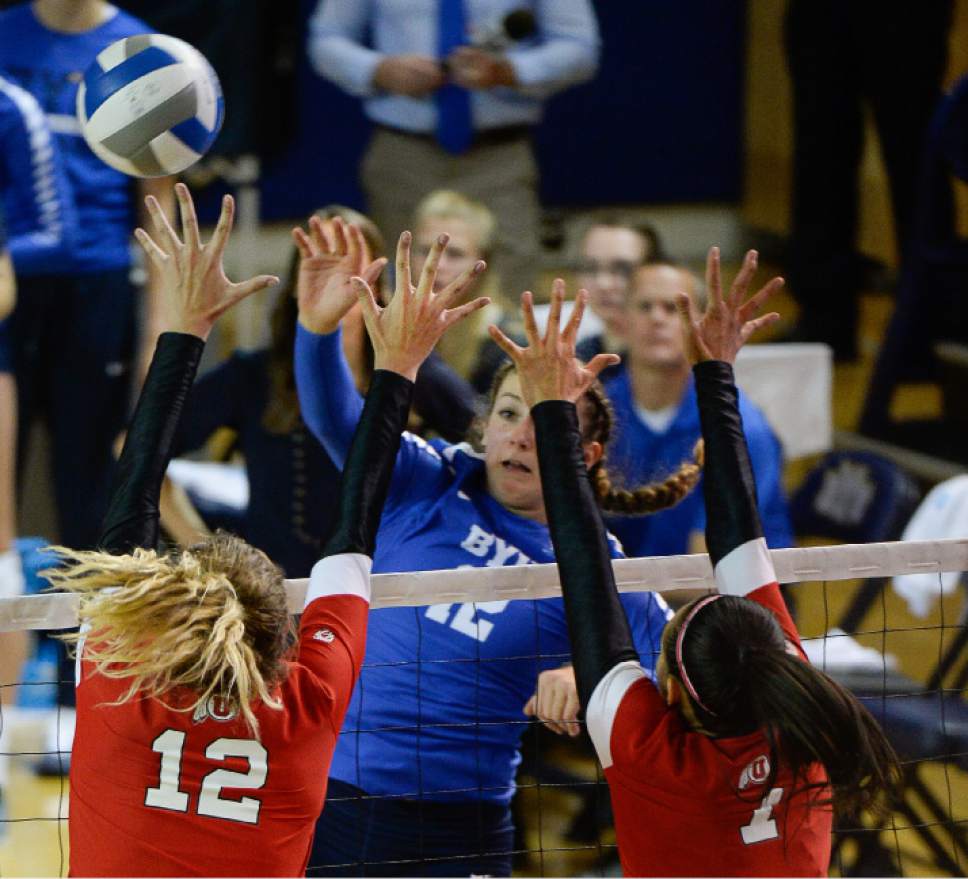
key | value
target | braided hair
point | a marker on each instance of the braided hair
(598, 420)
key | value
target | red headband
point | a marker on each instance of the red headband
(690, 689)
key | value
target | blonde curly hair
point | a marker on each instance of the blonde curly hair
(209, 622)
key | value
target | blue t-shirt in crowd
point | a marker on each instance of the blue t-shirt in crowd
(437, 711)
(33, 187)
(638, 454)
(50, 66)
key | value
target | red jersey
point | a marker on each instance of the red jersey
(157, 792)
(686, 804)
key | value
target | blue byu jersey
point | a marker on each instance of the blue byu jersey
(641, 455)
(437, 711)
(50, 66)
(33, 188)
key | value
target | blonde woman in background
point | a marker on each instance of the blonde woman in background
(472, 228)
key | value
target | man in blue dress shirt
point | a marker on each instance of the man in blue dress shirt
(657, 422)
(454, 101)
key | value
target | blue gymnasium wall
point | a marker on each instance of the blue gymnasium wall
(662, 122)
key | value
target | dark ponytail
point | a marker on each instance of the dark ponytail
(813, 719)
(744, 679)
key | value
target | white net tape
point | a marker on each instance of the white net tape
(418, 588)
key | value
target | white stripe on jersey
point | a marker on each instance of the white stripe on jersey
(745, 569)
(344, 574)
(603, 706)
(41, 157)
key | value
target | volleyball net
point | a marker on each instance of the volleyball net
(888, 620)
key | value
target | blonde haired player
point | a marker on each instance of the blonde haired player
(204, 735)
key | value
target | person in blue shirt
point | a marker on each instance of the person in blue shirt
(658, 421)
(35, 195)
(34, 192)
(424, 769)
(454, 94)
(74, 329)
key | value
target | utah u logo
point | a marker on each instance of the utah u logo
(216, 708)
(755, 772)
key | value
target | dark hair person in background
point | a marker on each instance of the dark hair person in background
(729, 762)
(254, 394)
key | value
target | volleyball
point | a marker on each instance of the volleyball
(150, 105)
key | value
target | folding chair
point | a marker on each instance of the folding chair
(855, 497)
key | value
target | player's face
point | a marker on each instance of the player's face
(609, 257)
(463, 249)
(510, 454)
(654, 334)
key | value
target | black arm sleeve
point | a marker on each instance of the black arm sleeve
(599, 629)
(133, 512)
(369, 464)
(444, 401)
(732, 518)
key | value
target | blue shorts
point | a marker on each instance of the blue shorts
(359, 835)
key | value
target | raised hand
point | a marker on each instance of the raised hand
(728, 322)
(196, 290)
(547, 367)
(405, 331)
(329, 257)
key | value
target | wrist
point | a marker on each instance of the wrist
(318, 327)
(187, 328)
(401, 366)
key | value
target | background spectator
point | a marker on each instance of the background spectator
(453, 108)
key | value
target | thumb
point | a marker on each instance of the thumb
(530, 707)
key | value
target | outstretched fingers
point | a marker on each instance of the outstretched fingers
(509, 347)
(428, 273)
(751, 308)
(554, 313)
(527, 316)
(714, 277)
(304, 244)
(223, 228)
(368, 305)
(152, 250)
(165, 232)
(404, 283)
(570, 334)
(741, 282)
(455, 290)
(240, 291)
(189, 219)
(752, 326)
(453, 315)
(600, 362)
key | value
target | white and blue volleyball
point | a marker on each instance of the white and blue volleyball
(150, 105)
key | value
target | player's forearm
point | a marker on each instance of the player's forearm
(597, 624)
(729, 487)
(328, 399)
(369, 464)
(133, 513)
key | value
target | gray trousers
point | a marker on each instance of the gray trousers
(400, 169)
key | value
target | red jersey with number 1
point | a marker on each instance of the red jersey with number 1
(158, 792)
(686, 804)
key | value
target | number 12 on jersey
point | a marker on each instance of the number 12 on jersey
(169, 795)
